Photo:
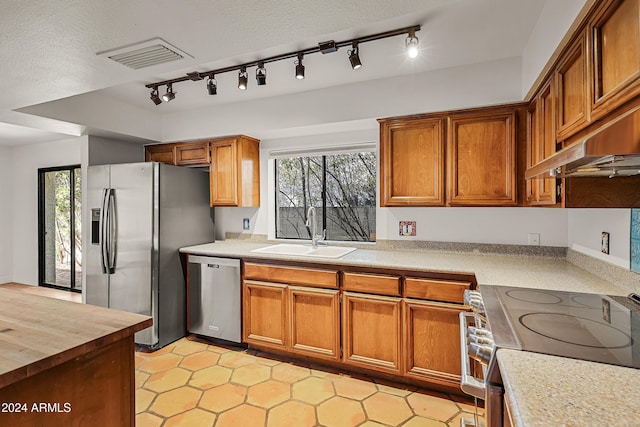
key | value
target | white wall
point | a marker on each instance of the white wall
(555, 19)
(26, 160)
(509, 226)
(586, 227)
(106, 151)
(6, 229)
(473, 85)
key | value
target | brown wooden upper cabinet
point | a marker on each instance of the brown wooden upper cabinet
(235, 172)
(615, 32)
(573, 92)
(412, 162)
(541, 143)
(163, 153)
(481, 158)
(193, 154)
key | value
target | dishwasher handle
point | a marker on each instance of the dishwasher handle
(214, 262)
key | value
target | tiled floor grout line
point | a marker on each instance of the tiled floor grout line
(238, 365)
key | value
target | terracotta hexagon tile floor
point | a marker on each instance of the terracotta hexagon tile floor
(195, 383)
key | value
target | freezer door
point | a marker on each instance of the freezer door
(97, 281)
(131, 254)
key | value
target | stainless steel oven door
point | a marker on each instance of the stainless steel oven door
(468, 383)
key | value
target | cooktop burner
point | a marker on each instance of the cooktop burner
(534, 296)
(594, 327)
(575, 330)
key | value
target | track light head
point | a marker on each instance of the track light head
(242, 78)
(212, 85)
(169, 95)
(155, 97)
(354, 56)
(299, 67)
(411, 43)
(261, 74)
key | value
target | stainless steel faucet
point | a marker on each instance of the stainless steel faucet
(316, 239)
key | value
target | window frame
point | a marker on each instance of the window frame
(274, 156)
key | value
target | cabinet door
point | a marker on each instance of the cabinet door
(371, 331)
(481, 165)
(315, 322)
(572, 85)
(192, 154)
(223, 173)
(265, 319)
(615, 31)
(431, 344)
(547, 142)
(163, 153)
(541, 143)
(412, 163)
(532, 186)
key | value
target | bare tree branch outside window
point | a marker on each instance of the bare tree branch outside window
(348, 207)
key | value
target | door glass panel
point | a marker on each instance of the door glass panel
(61, 245)
(77, 234)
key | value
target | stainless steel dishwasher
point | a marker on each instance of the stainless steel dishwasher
(214, 297)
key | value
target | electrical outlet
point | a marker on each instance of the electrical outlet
(407, 228)
(534, 239)
(246, 225)
(604, 244)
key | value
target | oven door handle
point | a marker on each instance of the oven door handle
(468, 383)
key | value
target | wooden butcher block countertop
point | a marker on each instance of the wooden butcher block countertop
(38, 333)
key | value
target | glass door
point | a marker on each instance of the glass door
(60, 227)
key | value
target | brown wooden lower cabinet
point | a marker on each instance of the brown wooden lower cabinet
(371, 328)
(315, 322)
(407, 328)
(265, 314)
(431, 343)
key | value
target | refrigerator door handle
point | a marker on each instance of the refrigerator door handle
(113, 232)
(104, 231)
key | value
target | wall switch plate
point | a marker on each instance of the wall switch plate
(604, 245)
(407, 228)
(246, 225)
(533, 239)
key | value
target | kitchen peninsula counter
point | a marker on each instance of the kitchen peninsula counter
(489, 268)
(543, 390)
(65, 363)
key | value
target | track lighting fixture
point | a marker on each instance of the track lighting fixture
(299, 67)
(411, 43)
(261, 74)
(354, 57)
(212, 85)
(169, 95)
(155, 97)
(242, 78)
(327, 47)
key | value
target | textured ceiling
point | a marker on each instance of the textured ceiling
(49, 48)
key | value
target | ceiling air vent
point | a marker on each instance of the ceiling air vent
(145, 54)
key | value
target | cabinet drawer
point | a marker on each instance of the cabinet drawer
(372, 283)
(292, 275)
(435, 289)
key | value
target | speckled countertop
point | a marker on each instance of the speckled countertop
(543, 390)
(490, 269)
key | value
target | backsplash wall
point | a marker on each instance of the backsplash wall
(585, 233)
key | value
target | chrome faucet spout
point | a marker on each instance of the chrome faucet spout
(311, 221)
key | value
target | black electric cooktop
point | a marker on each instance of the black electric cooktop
(600, 328)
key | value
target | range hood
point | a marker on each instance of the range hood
(612, 150)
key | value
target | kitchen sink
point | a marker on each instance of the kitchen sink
(306, 250)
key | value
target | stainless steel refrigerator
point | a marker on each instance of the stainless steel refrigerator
(140, 215)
